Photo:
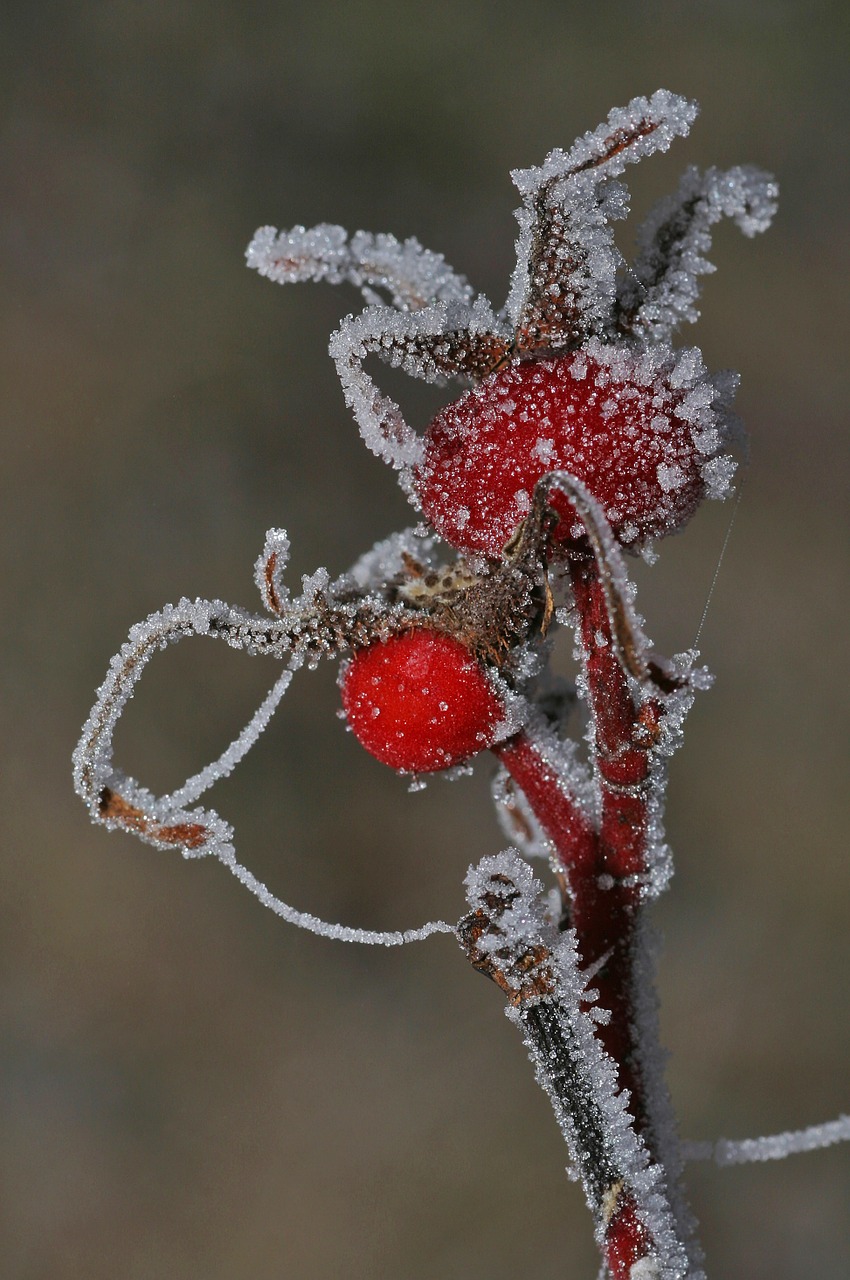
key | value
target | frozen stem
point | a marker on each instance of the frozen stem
(507, 937)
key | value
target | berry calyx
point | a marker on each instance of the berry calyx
(614, 420)
(420, 702)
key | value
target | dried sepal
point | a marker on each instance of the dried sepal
(458, 353)
(662, 289)
(381, 422)
(516, 817)
(564, 285)
(774, 1146)
(413, 276)
(315, 625)
(268, 571)
(655, 420)
(437, 342)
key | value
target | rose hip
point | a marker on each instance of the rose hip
(420, 702)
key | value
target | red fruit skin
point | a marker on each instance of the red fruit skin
(420, 702)
(485, 452)
(626, 1240)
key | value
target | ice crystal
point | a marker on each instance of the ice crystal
(773, 1147)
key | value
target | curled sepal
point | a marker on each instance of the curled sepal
(508, 936)
(662, 291)
(118, 801)
(774, 1146)
(268, 571)
(313, 625)
(381, 422)
(564, 285)
(414, 277)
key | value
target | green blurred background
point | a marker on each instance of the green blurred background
(190, 1087)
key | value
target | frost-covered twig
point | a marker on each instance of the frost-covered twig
(775, 1146)
(507, 937)
(585, 436)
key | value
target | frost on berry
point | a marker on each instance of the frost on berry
(631, 424)
(420, 702)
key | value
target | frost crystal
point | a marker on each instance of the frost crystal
(413, 276)
(661, 293)
(569, 291)
(775, 1147)
(569, 200)
(507, 935)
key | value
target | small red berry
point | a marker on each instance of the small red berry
(420, 702)
(612, 422)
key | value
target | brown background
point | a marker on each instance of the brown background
(191, 1088)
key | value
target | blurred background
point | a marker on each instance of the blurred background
(190, 1087)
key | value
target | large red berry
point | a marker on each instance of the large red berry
(615, 422)
(420, 702)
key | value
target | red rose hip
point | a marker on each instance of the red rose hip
(420, 702)
(617, 424)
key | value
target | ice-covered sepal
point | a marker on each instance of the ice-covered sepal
(774, 1146)
(662, 290)
(268, 570)
(414, 277)
(439, 341)
(315, 623)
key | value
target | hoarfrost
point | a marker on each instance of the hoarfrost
(570, 292)
(268, 570)
(717, 476)
(570, 200)
(325, 928)
(229, 759)
(569, 772)
(635, 650)
(775, 1147)
(629, 134)
(660, 1116)
(661, 292)
(386, 561)
(506, 877)
(414, 277)
(510, 933)
(430, 344)
(379, 418)
(670, 477)
(517, 819)
(645, 1269)
(120, 802)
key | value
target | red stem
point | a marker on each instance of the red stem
(602, 914)
(626, 1239)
